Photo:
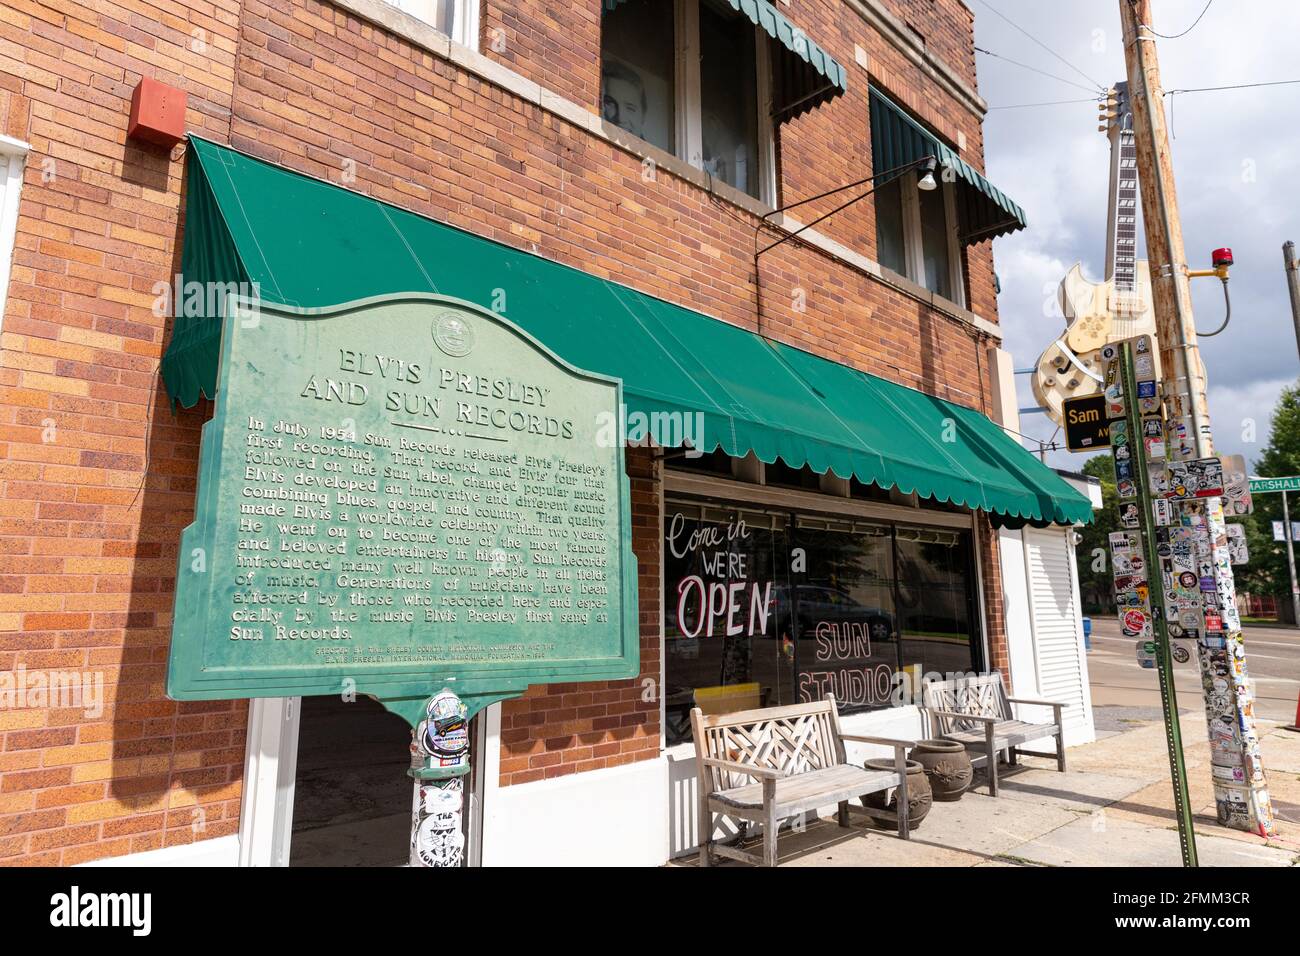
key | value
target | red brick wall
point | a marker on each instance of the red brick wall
(554, 44)
(559, 729)
(90, 513)
(88, 539)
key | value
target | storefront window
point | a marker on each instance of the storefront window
(636, 72)
(729, 104)
(935, 575)
(844, 606)
(728, 643)
(763, 609)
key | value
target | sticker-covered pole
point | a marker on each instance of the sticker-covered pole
(439, 765)
(1156, 621)
(1195, 475)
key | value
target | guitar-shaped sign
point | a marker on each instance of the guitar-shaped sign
(1100, 312)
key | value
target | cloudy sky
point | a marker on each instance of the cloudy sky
(1236, 159)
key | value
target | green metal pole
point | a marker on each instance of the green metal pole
(1159, 629)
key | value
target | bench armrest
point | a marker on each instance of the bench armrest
(732, 766)
(883, 741)
(951, 715)
(1039, 703)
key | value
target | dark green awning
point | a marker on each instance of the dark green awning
(309, 243)
(984, 211)
(803, 74)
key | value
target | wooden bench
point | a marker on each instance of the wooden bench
(771, 764)
(976, 712)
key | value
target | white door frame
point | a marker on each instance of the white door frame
(13, 157)
(271, 770)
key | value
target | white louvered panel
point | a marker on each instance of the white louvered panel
(1056, 623)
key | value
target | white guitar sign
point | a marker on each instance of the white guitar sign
(1101, 312)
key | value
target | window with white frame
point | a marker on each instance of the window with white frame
(916, 234)
(456, 18)
(692, 77)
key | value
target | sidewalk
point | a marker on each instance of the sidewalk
(1114, 807)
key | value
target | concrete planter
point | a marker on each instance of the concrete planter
(919, 796)
(947, 766)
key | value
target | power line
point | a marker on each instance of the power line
(1174, 36)
(996, 12)
(1234, 86)
(1033, 69)
(1023, 106)
(1195, 89)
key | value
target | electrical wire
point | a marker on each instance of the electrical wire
(1234, 86)
(1173, 36)
(1095, 85)
(1024, 106)
(1033, 69)
(1193, 89)
(1227, 315)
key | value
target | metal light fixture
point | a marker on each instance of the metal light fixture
(926, 182)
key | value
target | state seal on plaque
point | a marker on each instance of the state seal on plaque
(453, 335)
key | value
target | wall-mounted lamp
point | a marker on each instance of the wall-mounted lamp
(925, 181)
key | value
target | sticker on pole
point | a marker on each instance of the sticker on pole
(1201, 478)
(1135, 622)
(1146, 654)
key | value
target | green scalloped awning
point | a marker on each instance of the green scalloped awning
(310, 244)
(804, 75)
(984, 211)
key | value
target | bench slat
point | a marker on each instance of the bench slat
(807, 791)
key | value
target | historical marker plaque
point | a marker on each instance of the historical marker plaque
(397, 493)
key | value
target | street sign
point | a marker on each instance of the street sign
(1086, 428)
(1261, 485)
(401, 494)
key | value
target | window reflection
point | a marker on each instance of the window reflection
(935, 599)
(848, 642)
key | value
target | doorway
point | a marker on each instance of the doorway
(352, 797)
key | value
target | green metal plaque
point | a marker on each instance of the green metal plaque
(399, 494)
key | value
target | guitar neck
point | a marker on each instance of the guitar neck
(1121, 223)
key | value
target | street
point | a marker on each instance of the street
(1117, 680)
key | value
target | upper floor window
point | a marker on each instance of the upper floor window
(456, 18)
(692, 78)
(916, 234)
(921, 234)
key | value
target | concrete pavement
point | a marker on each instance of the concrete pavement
(1112, 808)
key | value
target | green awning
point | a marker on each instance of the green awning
(309, 243)
(804, 75)
(984, 211)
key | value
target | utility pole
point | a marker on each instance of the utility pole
(1240, 792)
(1293, 286)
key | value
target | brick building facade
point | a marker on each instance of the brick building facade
(501, 136)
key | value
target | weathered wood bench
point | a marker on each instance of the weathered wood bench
(769, 765)
(977, 713)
